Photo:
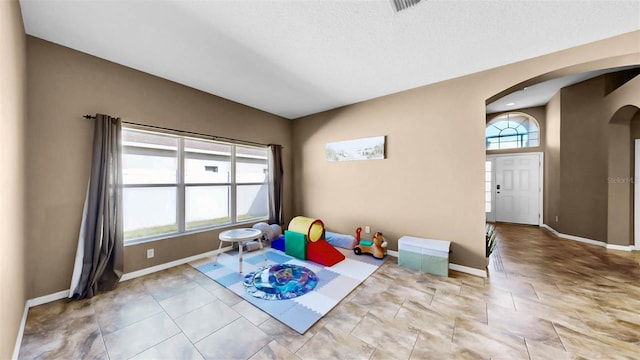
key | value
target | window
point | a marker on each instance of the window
(511, 131)
(175, 184)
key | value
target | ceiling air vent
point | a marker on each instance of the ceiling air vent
(399, 5)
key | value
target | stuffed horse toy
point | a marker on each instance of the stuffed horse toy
(379, 248)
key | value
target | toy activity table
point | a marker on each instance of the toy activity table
(240, 236)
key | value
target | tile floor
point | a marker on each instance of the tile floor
(545, 298)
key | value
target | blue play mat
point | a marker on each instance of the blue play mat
(280, 282)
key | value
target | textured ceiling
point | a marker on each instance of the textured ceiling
(294, 58)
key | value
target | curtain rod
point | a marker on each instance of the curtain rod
(213, 137)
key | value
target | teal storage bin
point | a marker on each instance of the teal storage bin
(426, 255)
(409, 259)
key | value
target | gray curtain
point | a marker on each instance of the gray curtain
(275, 184)
(99, 262)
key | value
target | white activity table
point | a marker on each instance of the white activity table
(240, 236)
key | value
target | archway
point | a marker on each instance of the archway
(623, 130)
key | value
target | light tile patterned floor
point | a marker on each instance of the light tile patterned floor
(545, 298)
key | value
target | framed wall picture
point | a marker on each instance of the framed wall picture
(370, 148)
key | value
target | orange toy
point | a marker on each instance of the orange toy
(376, 247)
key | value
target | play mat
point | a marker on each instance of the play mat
(301, 312)
(280, 281)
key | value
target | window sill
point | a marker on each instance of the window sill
(191, 232)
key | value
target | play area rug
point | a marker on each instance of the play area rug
(280, 282)
(296, 292)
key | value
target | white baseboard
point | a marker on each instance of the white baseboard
(468, 270)
(29, 304)
(589, 241)
(23, 323)
(392, 253)
(620, 247)
(128, 276)
(151, 270)
(575, 238)
(549, 228)
(47, 298)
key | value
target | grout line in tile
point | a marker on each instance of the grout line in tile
(526, 346)
(455, 326)
(558, 335)
(106, 350)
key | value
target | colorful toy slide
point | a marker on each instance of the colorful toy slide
(305, 240)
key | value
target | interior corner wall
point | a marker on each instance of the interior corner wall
(619, 195)
(589, 161)
(584, 142)
(63, 85)
(552, 170)
(430, 183)
(12, 191)
(634, 133)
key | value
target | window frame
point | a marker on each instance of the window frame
(181, 186)
(505, 117)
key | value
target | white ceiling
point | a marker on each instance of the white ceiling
(298, 57)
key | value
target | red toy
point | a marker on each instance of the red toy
(376, 247)
(323, 253)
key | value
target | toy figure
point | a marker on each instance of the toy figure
(377, 247)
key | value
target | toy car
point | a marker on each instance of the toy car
(377, 247)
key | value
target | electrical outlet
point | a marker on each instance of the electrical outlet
(556, 218)
(367, 229)
(150, 253)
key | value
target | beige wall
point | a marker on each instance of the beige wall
(583, 141)
(63, 85)
(622, 112)
(552, 170)
(405, 193)
(12, 160)
(634, 134)
(619, 198)
(589, 164)
(431, 184)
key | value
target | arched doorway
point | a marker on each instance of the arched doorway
(513, 181)
(623, 218)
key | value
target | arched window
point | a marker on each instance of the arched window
(512, 130)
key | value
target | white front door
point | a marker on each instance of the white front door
(489, 189)
(517, 189)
